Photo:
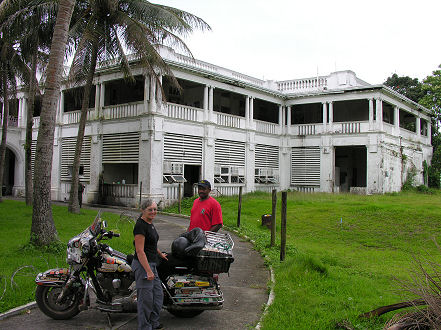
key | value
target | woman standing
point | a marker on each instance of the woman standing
(148, 285)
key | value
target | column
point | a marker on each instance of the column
(397, 120)
(288, 120)
(250, 149)
(205, 103)
(102, 96)
(371, 114)
(152, 95)
(146, 93)
(210, 103)
(60, 112)
(97, 100)
(325, 115)
(247, 112)
(379, 114)
(281, 118)
(418, 126)
(331, 114)
(21, 116)
(252, 126)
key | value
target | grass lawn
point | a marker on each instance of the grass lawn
(20, 262)
(343, 252)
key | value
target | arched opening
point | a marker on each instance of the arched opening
(8, 175)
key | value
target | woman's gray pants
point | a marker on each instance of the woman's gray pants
(149, 295)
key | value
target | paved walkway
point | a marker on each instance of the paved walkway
(245, 292)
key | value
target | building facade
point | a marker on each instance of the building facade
(332, 133)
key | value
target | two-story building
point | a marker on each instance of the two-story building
(332, 133)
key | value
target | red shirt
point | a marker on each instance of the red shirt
(205, 214)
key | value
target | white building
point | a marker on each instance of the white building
(331, 133)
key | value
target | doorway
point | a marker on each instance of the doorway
(9, 173)
(192, 175)
(350, 167)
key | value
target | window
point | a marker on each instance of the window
(266, 176)
(229, 174)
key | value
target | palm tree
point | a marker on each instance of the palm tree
(106, 29)
(43, 231)
(34, 22)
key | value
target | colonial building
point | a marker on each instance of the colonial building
(332, 133)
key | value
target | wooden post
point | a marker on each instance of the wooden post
(179, 198)
(239, 209)
(283, 228)
(273, 218)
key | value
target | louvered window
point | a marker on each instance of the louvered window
(121, 148)
(305, 166)
(33, 150)
(229, 159)
(184, 149)
(266, 164)
(67, 158)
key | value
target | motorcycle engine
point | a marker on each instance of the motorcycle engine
(115, 284)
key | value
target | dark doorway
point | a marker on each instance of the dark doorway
(9, 173)
(192, 175)
(350, 167)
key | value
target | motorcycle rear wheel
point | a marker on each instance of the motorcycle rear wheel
(46, 298)
(185, 313)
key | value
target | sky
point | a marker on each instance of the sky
(291, 39)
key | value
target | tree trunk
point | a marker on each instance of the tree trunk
(29, 123)
(4, 128)
(74, 206)
(43, 231)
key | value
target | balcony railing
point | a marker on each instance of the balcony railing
(266, 127)
(123, 110)
(120, 190)
(12, 121)
(224, 119)
(73, 117)
(185, 112)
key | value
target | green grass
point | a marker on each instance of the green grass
(343, 252)
(20, 262)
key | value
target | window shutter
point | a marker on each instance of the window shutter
(305, 166)
(229, 153)
(68, 153)
(267, 156)
(185, 149)
(121, 148)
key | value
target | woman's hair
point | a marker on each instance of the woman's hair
(146, 203)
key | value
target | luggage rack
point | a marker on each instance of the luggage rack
(223, 242)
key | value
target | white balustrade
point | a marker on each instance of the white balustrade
(73, 117)
(307, 129)
(229, 120)
(265, 188)
(266, 127)
(302, 85)
(184, 112)
(350, 127)
(227, 190)
(122, 110)
(36, 122)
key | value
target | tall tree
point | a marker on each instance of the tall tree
(43, 230)
(432, 100)
(409, 87)
(104, 29)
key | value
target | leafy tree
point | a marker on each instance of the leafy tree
(409, 87)
(43, 231)
(432, 100)
(100, 28)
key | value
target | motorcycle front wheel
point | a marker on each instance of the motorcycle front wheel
(46, 298)
(185, 313)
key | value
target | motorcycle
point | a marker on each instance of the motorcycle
(190, 282)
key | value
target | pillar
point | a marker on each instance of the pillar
(211, 103)
(325, 115)
(379, 114)
(371, 114)
(281, 118)
(205, 106)
(252, 113)
(288, 120)
(397, 120)
(247, 112)
(97, 100)
(331, 114)
(418, 126)
(102, 96)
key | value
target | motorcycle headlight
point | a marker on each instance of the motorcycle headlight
(74, 251)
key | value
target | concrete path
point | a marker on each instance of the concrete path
(245, 293)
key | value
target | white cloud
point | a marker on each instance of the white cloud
(285, 39)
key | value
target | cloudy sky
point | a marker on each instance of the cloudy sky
(289, 39)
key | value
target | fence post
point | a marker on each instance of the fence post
(239, 209)
(273, 218)
(283, 228)
(179, 198)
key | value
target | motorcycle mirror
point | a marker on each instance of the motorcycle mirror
(104, 223)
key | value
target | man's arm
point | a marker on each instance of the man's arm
(216, 227)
